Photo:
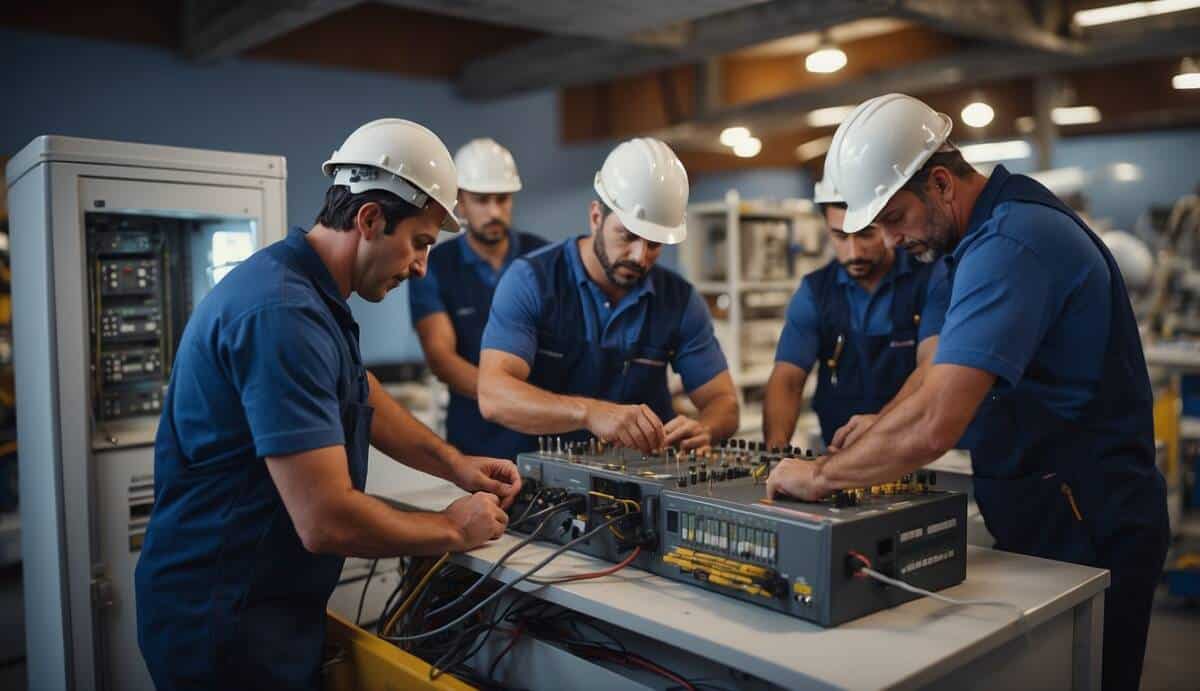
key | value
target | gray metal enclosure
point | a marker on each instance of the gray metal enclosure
(86, 451)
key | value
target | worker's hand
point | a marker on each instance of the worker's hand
(687, 433)
(633, 426)
(483, 474)
(477, 518)
(851, 432)
(796, 478)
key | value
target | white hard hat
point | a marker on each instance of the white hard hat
(825, 193)
(878, 148)
(1132, 255)
(486, 167)
(645, 184)
(401, 157)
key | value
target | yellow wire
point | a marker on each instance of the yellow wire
(412, 597)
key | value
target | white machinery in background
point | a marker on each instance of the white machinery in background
(113, 244)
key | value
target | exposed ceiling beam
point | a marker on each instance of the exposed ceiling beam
(1008, 21)
(214, 29)
(968, 67)
(608, 19)
(567, 61)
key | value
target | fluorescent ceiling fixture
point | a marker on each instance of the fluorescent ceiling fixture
(978, 114)
(748, 147)
(1126, 172)
(732, 136)
(1188, 77)
(1131, 10)
(1062, 181)
(825, 60)
(812, 149)
(996, 151)
(829, 117)
(1075, 115)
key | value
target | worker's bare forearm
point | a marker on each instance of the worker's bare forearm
(358, 525)
(781, 406)
(925, 353)
(460, 375)
(395, 432)
(720, 416)
(519, 405)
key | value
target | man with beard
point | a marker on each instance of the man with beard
(261, 455)
(450, 304)
(870, 317)
(581, 332)
(1040, 347)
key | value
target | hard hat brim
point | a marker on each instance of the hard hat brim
(480, 188)
(652, 231)
(863, 216)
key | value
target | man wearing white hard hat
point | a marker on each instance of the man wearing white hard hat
(870, 318)
(582, 331)
(1040, 349)
(450, 304)
(261, 456)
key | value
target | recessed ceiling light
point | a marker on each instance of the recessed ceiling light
(826, 59)
(829, 117)
(1188, 77)
(996, 151)
(1075, 115)
(748, 147)
(1131, 10)
(814, 148)
(978, 114)
(730, 136)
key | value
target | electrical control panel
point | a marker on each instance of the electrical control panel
(705, 520)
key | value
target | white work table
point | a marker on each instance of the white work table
(920, 644)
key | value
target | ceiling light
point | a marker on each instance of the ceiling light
(1062, 181)
(1026, 124)
(1075, 115)
(731, 136)
(812, 149)
(1188, 77)
(996, 151)
(1131, 10)
(748, 147)
(829, 117)
(828, 58)
(978, 114)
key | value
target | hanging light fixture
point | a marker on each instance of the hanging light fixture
(978, 114)
(748, 147)
(1188, 77)
(732, 136)
(827, 58)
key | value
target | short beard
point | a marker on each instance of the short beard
(610, 269)
(481, 237)
(940, 238)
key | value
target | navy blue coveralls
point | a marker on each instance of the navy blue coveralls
(870, 369)
(1081, 490)
(466, 298)
(227, 595)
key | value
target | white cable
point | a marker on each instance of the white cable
(942, 598)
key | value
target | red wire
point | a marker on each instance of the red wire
(628, 659)
(857, 555)
(595, 574)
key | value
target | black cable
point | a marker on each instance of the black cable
(549, 514)
(511, 584)
(363, 597)
(532, 502)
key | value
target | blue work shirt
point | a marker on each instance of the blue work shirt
(512, 325)
(268, 365)
(1029, 289)
(424, 294)
(870, 313)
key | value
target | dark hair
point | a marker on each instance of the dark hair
(604, 210)
(341, 207)
(824, 206)
(951, 160)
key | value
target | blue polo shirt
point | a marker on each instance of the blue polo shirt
(870, 313)
(1030, 290)
(424, 296)
(512, 324)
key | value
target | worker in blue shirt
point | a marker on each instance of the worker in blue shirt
(870, 318)
(582, 331)
(1040, 348)
(450, 304)
(261, 455)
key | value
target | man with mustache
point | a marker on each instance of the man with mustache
(450, 304)
(1040, 354)
(261, 455)
(581, 331)
(871, 318)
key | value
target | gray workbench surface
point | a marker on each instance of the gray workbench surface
(903, 647)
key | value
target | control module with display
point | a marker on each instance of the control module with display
(705, 520)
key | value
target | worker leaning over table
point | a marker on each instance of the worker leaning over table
(1040, 348)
